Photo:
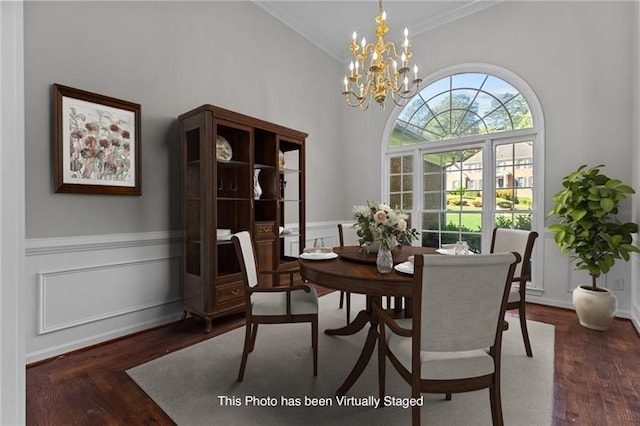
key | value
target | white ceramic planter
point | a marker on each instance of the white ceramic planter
(595, 309)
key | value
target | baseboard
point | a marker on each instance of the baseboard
(55, 351)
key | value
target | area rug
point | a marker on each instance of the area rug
(197, 385)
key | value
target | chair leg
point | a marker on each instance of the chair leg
(496, 404)
(415, 410)
(341, 299)
(314, 343)
(253, 337)
(245, 351)
(523, 327)
(348, 296)
(447, 396)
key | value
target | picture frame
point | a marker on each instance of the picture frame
(96, 143)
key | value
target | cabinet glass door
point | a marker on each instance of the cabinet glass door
(290, 199)
(233, 192)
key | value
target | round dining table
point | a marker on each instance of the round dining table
(354, 270)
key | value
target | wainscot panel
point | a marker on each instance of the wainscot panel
(86, 290)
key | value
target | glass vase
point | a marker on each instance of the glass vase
(384, 260)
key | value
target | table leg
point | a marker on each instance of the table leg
(363, 360)
(363, 318)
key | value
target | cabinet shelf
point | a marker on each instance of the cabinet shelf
(263, 166)
(231, 163)
(290, 171)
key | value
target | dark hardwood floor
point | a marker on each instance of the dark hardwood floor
(597, 375)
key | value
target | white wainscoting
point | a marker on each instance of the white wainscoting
(86, 290)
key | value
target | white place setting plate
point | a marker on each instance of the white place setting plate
(404, 267)
(450, 251)
(318, 256)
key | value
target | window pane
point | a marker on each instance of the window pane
(464, 104)
(395, 165)
(407, 182)
(395, 199)
(407, 163)
(432, 201)
(407, 201)
(432, 182)
(401, 182)
(394, 183)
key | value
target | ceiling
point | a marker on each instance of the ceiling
(329, 23)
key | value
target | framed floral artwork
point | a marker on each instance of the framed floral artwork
(96, 143)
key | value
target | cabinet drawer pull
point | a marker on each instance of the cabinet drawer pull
(236, 291)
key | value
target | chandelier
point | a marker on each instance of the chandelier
(387, 74)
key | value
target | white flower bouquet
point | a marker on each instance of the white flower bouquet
(379, 222)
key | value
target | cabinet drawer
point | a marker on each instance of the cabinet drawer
(230, 293)
(264, 230)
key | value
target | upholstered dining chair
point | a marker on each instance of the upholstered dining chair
(453, 341)
(275, 305)
(347, 236)
(521, 241)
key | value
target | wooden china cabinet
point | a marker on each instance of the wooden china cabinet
(238, 173)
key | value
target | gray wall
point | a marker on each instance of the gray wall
(171, 57)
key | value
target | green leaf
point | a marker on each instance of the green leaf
(607, 204)
(626, 189)
(578, 214)
(612, 183)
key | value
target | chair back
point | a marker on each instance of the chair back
(247, 256)
(348, 235)
(518, 240)
(462, 300)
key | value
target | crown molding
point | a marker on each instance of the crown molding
(341, 54)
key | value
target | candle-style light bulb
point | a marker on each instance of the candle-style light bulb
(406, 32)
(395, 66)
(363, 43)
(355, 36)
(403, 57)
(384, 15)
(357, 66)
(351, 68)
(346, 84)
(406, 83)
(415, 72)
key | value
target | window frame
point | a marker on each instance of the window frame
(487, 142)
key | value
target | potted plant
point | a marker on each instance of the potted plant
(588, 227)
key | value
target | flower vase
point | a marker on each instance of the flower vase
(384, 260)
(257, 190)
(375, 245)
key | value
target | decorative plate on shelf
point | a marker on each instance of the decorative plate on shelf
(281, 162)
(223, 149)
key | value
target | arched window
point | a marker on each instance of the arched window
(461, 105)
(462, 157)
